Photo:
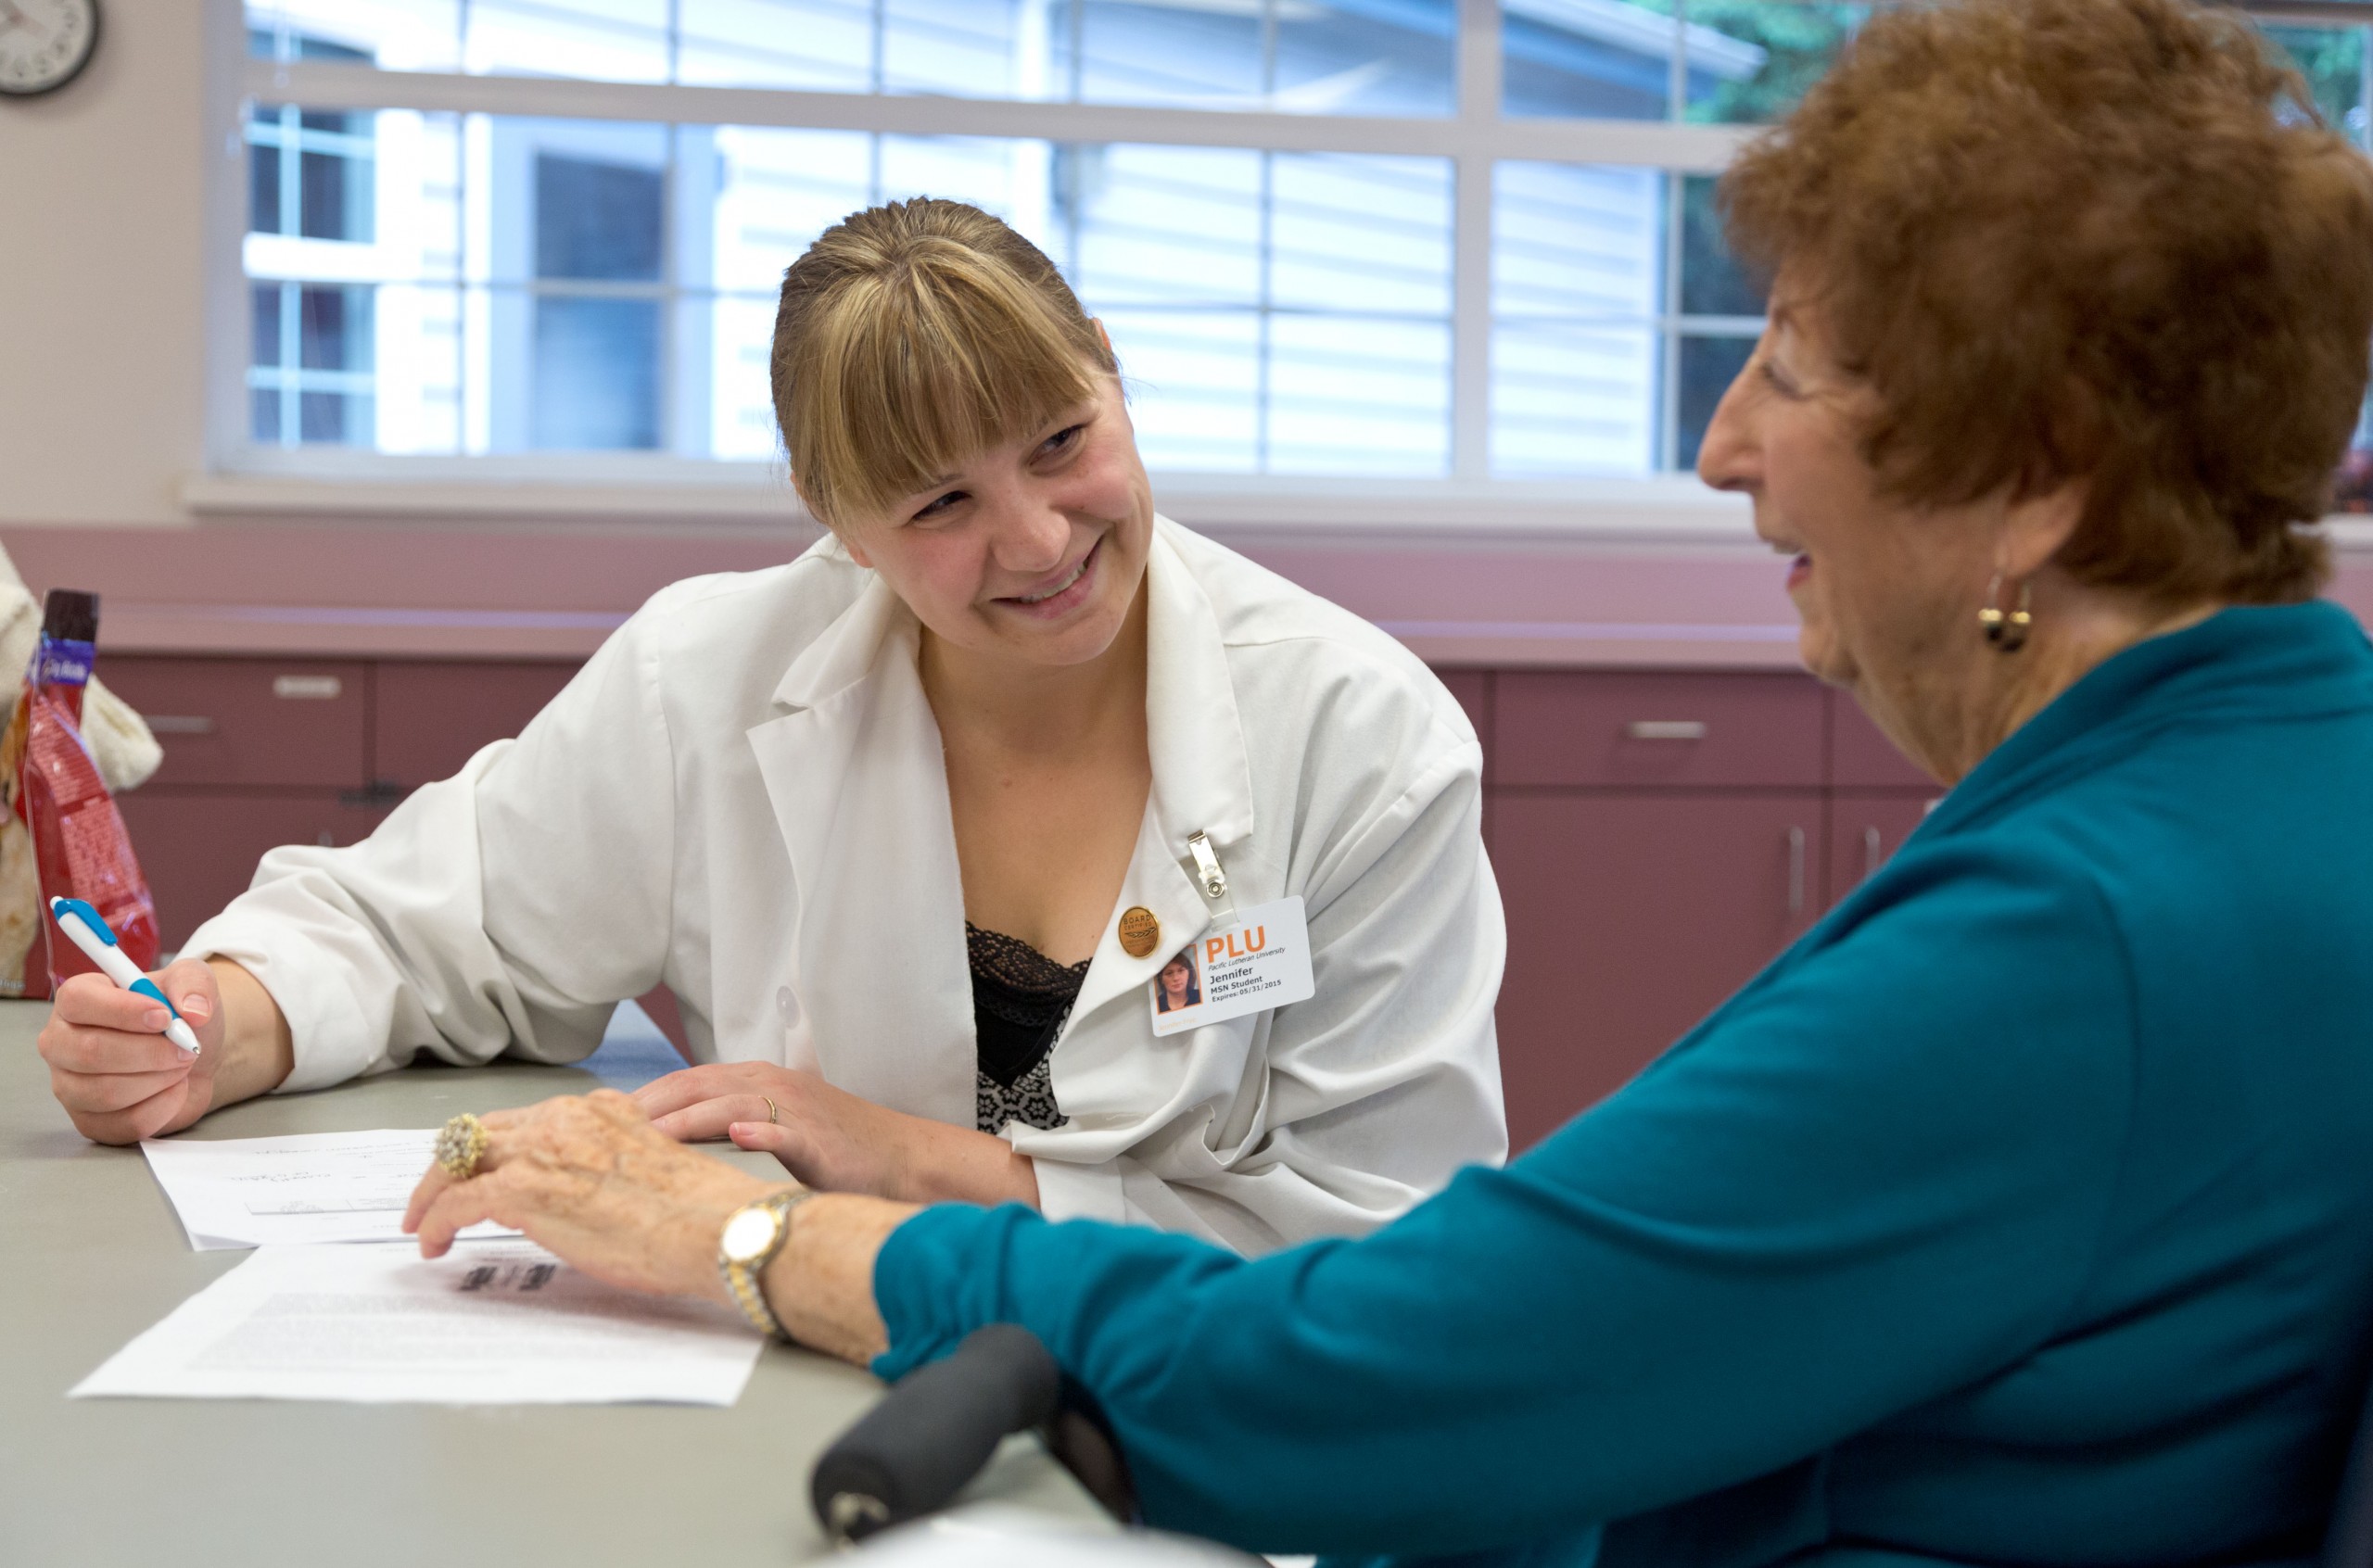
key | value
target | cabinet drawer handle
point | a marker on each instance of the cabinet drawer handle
(1665, 730)
(307, 687)
(1795, 872)
(178, 724)
(377, 795)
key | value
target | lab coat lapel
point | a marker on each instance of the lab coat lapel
(858, 787)
(803, 756)
(1201, 777)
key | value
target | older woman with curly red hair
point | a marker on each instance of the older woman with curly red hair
(2022, 1212)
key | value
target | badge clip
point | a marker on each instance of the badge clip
(1209, 874)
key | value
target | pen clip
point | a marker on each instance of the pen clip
(61, 907)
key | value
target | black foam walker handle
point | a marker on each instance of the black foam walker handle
(932, 1432)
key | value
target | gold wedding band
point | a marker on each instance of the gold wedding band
(770, 1109)
(460, 1144)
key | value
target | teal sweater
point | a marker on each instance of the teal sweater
(2020, 1213)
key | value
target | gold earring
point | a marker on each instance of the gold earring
(2007, 630)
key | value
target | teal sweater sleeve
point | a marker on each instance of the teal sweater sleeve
(1876, 1175)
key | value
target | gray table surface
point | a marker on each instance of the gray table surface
(91, 1255)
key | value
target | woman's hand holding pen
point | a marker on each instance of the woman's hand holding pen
(834, 1141)
(121, 1080)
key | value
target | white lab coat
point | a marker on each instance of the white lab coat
(742, 795)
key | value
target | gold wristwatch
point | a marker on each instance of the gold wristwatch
(752, 1234)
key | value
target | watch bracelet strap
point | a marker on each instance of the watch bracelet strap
(743, 1282)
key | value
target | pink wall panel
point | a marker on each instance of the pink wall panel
(356, 563)
(459, 589)
(1492, 603)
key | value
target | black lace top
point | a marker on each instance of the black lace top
(1019, 1000)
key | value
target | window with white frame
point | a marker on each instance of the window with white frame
(1467, 239)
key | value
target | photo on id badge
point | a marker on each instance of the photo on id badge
(1259, 961)
(1180, 984)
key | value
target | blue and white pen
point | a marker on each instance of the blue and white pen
(82, 923)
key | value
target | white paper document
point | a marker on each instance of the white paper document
(494, 1323)
(305, 1187)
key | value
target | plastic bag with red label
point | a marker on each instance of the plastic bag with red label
(79, 848)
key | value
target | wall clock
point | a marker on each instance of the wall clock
(44, 43)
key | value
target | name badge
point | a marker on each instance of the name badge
(1260, 962)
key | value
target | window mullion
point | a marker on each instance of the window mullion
(1667, 336)
(1078, 24)
(1264, 364)
(1470, 311)
(1668, 343)
(290, 168)
(292, 361)
(670, 432)
(1264, 321)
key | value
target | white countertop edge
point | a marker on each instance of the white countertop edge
(1669, 509)
(1673, 508)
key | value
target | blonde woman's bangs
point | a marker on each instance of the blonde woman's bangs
(901, 370)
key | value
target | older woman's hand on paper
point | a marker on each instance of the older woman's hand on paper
(589, 1178)
(834, 1141)
(594, 1181)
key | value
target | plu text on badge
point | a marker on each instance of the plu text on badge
(1259, 962)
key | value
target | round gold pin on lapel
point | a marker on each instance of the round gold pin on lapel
(1141, 931)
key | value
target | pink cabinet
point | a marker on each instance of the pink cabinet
(258, 752)
(1630, 915)
(1866, 826)
(267, 752)
(283, 723)
(1671, 729)
(1877, 797)
(199, 848)
(1860, 757)
(264, 752)
(1473, 690)
(430, 716)
(1659, 836)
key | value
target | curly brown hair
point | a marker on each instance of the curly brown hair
(2107, 239)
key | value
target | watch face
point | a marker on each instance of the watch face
(748, 1234)
(44, 43)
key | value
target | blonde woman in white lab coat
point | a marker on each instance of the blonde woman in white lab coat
(911, 824)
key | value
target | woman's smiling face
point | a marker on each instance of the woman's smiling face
(1175, 976)
(1031, 551)
(1883, 589)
